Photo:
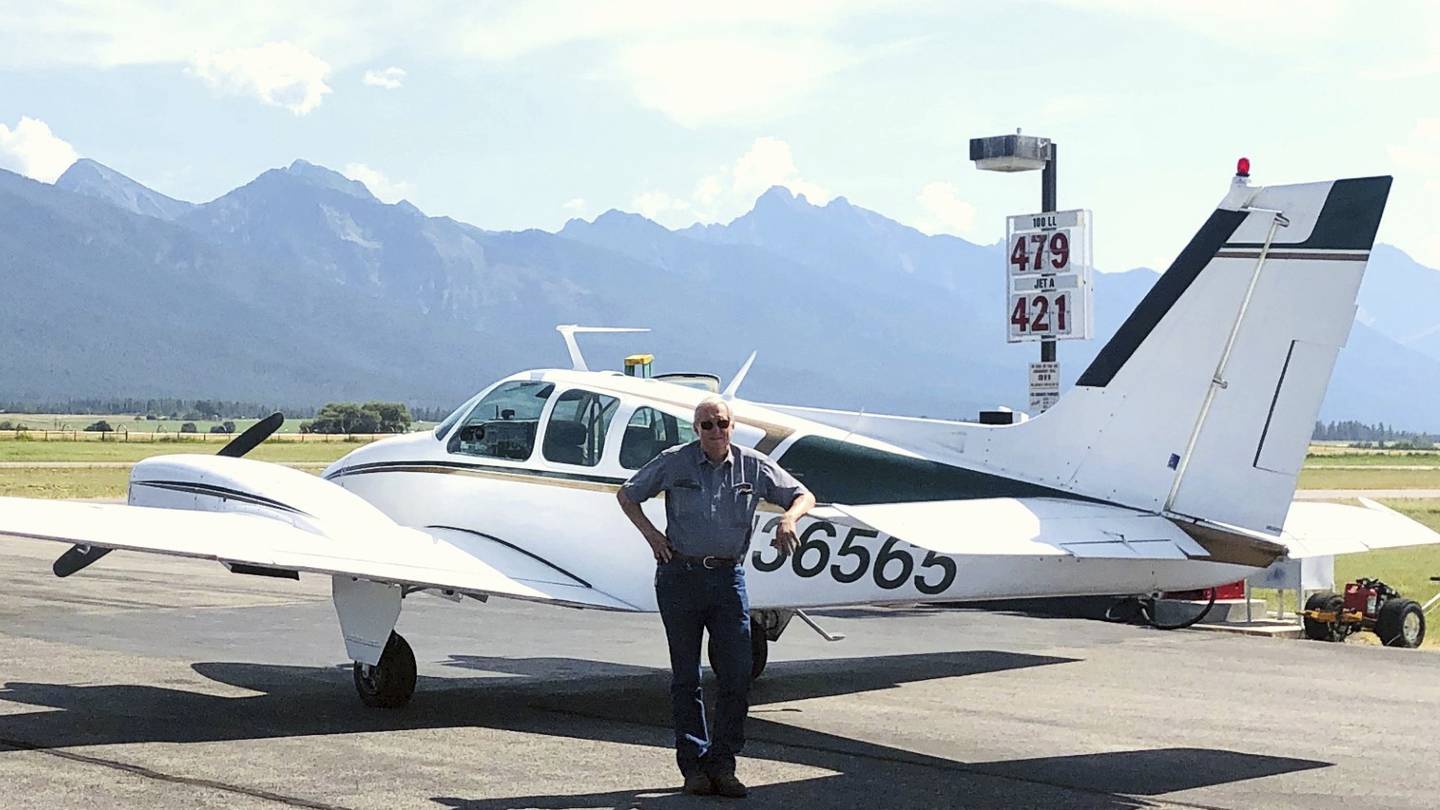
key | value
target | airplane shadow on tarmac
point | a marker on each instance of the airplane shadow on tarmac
(629, 705)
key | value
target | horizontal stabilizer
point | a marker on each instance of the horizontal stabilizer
(1039, 527)
(1316, 529)
(386, 554)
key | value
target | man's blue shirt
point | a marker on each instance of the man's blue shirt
(709, 508)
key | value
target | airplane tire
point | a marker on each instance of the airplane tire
(759, 654)
(390, 683)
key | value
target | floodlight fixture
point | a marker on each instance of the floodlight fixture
(1010, 153)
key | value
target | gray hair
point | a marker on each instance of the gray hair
(713, 401)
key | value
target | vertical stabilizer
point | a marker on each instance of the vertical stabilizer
(1202, 403)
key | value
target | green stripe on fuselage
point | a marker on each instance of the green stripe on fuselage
(840, 472)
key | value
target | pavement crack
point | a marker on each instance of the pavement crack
(147, 773)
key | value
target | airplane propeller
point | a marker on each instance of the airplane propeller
(253, 436)
(79, 557)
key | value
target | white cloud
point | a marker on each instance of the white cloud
(731, 190)
(34, 151)
(541, 24)
(385, 189)
(659, 206)
(945, 211)
(391, 78)
(281, 74)
(575, 205)
(769, 163)
(707, 81)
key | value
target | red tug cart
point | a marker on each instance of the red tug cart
(1367, 604)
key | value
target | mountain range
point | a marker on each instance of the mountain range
(301, 287)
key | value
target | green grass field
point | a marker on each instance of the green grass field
(1370, 478)
(33, 482)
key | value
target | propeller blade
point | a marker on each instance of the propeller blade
(253, 436)
(76, 559)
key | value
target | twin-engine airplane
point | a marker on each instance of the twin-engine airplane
(1170, 465)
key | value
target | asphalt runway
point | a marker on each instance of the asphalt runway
(160, 683)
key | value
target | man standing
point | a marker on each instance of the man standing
(711, 490)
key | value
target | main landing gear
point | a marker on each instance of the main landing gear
(390, 683)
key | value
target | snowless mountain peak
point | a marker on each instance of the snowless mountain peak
(328, 178)
(94, 179)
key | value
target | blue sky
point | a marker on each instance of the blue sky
(515, 115)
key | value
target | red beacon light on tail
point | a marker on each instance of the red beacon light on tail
(1242, 167)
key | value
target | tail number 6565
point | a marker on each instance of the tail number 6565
(890, 566)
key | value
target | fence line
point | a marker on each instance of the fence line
(39, 434)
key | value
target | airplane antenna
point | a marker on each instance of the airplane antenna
(729, 392)
(569, 331)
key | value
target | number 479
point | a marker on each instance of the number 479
(1057, 244)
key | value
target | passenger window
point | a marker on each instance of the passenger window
(575, 433)
(503, 424)
(650, 433)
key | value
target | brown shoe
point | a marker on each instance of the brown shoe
(698, 784)
(728, 786)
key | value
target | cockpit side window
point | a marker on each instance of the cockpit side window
(503, 424)
(576, 431)
(649, 433)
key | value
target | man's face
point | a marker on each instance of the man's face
(715, 441)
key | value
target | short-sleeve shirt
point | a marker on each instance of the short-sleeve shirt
(710, 508)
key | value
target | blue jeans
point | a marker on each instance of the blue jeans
(694, 599)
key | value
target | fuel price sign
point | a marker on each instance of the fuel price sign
(1047, 270)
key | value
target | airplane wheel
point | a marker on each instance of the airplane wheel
(390, 683)
(759, 654)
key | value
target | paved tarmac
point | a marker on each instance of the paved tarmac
(161, 683)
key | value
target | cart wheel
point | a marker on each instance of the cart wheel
(1401, 623)
(1317, 630)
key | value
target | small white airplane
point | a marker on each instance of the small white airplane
(1170, 465)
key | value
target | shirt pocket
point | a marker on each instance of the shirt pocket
(742, 504)
(687, 499)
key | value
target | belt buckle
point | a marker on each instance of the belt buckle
(705, 561)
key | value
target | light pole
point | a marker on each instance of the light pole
(1021, 153)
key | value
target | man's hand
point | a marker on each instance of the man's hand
(659, 546)
(785, 539)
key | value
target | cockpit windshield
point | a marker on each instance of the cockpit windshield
(503, 424)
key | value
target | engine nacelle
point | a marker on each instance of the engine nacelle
(224, 484)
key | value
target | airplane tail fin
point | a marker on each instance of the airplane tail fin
(1202, 404)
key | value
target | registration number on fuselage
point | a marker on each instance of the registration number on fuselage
(888, 561)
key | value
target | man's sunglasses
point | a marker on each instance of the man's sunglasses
(720, 423)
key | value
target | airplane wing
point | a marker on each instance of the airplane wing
(443, 559)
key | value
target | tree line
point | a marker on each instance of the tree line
(193, 410)
(1350, 430)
